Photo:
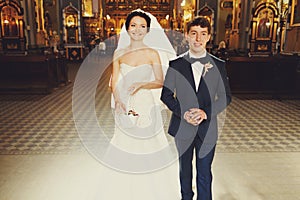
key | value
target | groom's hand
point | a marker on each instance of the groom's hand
(195, 116)
(198, 114)
(188, 116)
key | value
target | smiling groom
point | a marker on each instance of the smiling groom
(196, 90)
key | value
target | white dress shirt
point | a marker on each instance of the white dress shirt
(197, 68)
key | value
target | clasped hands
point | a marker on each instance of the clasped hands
(194, 116)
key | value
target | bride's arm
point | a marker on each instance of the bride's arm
(158, 75)
(114, 81)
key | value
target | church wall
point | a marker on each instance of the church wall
(292, 41)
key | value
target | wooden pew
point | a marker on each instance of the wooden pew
(37, 74)
(274, 75)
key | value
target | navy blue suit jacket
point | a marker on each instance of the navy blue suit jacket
(179, 94)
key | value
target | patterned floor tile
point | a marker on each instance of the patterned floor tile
(44, 124)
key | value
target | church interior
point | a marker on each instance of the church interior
(44, 43)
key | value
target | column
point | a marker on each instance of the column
(30, 23)
(244, 24)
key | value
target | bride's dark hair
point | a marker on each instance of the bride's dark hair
(140, 14)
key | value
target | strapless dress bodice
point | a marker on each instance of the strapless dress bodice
(138, 73)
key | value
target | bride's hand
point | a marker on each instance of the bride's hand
(120, 107)
(134, 88)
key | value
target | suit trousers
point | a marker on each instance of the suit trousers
(203, 168)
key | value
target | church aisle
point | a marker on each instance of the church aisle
(237, 176)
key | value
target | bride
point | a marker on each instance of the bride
(140, 159)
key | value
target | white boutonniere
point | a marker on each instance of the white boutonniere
(206, 67)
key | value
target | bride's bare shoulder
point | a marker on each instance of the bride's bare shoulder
(119, 52)
(152, 52)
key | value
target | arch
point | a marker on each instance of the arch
(264, 25)
(12, 34)
(264, 5)
(13, 4)
(71, 24)
(9, 21)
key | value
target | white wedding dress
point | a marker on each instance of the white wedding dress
(141, 163)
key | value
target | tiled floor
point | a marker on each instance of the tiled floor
(41, 157)
(237, 176)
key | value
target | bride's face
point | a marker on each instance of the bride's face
(137, 28)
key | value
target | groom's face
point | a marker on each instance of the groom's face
(197, 38)
(137, 28)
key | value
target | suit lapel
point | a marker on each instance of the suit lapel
(210, 76)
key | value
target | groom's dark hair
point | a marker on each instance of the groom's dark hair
(203, 22)
(140, 14)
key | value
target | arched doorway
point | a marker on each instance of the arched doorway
(12, 39)
(264, 27)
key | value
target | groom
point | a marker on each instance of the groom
(196, 89)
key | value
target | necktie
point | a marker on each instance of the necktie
(202, 60)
